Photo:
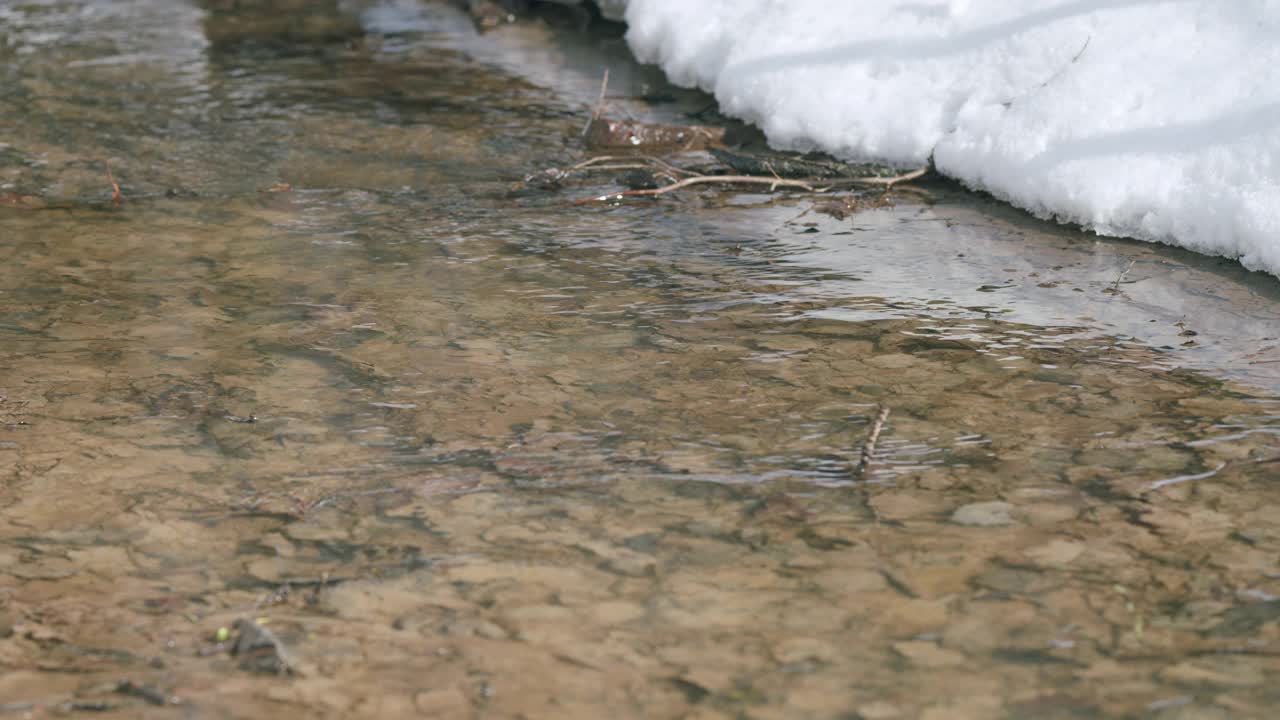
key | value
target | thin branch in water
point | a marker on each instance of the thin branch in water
(632, 158)
(1115, 286)
(887, 182)
(1185, 478)
(598, 110)
(621, 166)
(694, 178)
(553, 177)
(117, 197)
(873, 437)
(773, 183)
(604, 88)
(868, 454)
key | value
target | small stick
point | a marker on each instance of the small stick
(868, 454)
(885, 181)
(598, 110)
(1115, 287)
(116, 196)
(620, 166)
(631, 158)
(773, 184)
(1185, 478)
(869, 447)
(604, 87)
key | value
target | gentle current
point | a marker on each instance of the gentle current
(470, 454)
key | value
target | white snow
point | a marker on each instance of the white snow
(1158, 120)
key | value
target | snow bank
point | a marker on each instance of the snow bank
(1154, 120)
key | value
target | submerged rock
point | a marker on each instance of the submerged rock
(984, 514)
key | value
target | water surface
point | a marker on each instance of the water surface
(470, 454)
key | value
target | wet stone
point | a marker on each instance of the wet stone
(42, 568)
(617, 612)
(984, 514)
(442, 702)
(880, 710)
(477, 627)
(795, 652)
(1246, 619)
(259, 650)
(928, 655)
(1226, 672)
(907, 505)
(1055, 553)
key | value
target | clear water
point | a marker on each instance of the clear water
(476, 455)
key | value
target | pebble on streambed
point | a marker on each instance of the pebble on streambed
(984, 514)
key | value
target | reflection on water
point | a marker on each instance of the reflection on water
(477, 456)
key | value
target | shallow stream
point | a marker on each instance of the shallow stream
(475, 454)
